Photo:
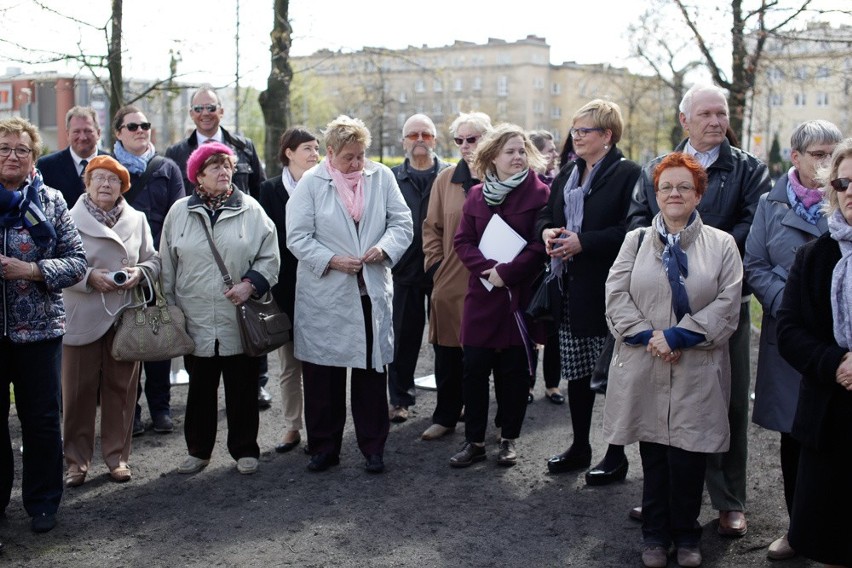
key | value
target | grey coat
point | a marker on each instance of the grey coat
(775, 236)
(328, 326)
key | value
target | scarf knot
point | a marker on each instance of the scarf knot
(495, 190)
(805, 202)
(134, 164)
(350, 188)
(21, 207)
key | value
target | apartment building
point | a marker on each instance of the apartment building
(510, 81)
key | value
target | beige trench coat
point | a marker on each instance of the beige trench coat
(684, 405)
(451, 279)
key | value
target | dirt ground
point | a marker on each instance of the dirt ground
(419, 513)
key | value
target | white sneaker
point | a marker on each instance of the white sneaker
(192, 464)
(247, 466)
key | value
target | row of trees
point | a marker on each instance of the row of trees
(675, 38)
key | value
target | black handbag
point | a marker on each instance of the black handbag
(263, 326)
(600, 374)
(546, 303)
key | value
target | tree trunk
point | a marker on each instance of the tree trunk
(116, 81)
(275, 100)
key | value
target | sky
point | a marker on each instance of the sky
(204, 32)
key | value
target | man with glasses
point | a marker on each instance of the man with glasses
(411, 286)
(736, 180)
(206, 112)
(63, 170)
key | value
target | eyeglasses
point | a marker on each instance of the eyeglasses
(841, 184)
(99, 179)
(20, 151)
(198, 109)
(133, 127)
(583, 132)
(682, 189)
(426, 136)
(818, 155)
(468, 139)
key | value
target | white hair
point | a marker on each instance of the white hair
(686, 102)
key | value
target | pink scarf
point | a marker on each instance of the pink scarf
(806, 195)
(350, 188)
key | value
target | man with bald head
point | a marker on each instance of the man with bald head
(411, 285)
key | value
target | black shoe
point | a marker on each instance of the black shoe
(285, 447)
(600, 476)
(138, 426)
(43, 522)
(530, 398)
(570, 460)
(556, 398)
(264, 399)
(322, 461)
(163, 424)
(375, 464)
(469, 454)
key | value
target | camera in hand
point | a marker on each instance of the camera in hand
(119, 277)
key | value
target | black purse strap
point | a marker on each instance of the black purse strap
(142, 180)
(226, 277)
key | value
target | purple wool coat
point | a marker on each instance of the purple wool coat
(488, 318)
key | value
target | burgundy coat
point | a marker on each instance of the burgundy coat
(488, 318)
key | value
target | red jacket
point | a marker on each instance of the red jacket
(488, 319)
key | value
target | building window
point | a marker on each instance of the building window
(477, 83)
(801, 73)
(538, 107)
(437, 86)
(555, 113)
(555, 89)
(776, 99)
(799, 99)
(774, 74)
(504, 59)
(822, 99)
(538, 83)
(437, 110)
(823, 72)
(403, 97)
(458, 85)
(419, 87)
(502, 86)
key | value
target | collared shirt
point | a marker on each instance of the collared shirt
(77, 159)
(215, 138)
(706, 159)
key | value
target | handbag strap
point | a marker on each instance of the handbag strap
(226, 277)
(143, 301)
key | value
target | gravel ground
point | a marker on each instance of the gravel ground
(419, 513)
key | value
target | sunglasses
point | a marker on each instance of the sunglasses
(133, 127)
(198, 109)
(426, 136)
(468, 139)
(841, 184)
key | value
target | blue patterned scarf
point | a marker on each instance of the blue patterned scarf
(677, 266)
(806, 203)
(134, 164)
(22, 208)
(841, 280)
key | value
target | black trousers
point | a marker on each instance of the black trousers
(410, 306)
(671, 496)
(239, 373)
(449, 374)
(34, 370)
(512, 387)
(790, 451)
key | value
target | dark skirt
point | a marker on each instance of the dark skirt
(578, 355)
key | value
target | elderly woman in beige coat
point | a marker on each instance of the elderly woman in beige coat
(118, 241)
(672, 303)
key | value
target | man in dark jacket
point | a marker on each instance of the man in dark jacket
(206, 112)
(63, 170)
(736, 180)
(411, 286)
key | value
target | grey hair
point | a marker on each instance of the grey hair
(205, 89)
(539, 137)
(422, 118)
(814, 132)
(81, 112)
(686, 102)
(480, 122)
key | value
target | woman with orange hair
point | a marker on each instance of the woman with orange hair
(673, 298)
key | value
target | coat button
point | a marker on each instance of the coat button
(124, 261)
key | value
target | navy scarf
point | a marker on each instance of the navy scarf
(677, 267)
(22, 208)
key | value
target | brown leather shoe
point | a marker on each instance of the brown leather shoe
(732, 523)
(398, 414)
(780, 549)
(635, 513)
(436, 431)
(655, 556)
(689, 556)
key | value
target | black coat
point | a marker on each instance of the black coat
(59, 172)
(604, 226)
(273, 199)
(806, 341)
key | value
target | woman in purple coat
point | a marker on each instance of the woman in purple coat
(494, 334)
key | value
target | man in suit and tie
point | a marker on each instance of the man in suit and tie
(63, 170)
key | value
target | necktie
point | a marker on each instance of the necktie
(83, 163)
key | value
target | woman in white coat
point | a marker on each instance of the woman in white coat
(673, 298)
(347, 224)
(117, 240)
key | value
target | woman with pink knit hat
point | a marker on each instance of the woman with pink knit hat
(247, 242)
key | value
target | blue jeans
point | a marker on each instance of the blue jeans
(34, 370)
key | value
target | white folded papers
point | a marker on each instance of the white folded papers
(500, 242)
